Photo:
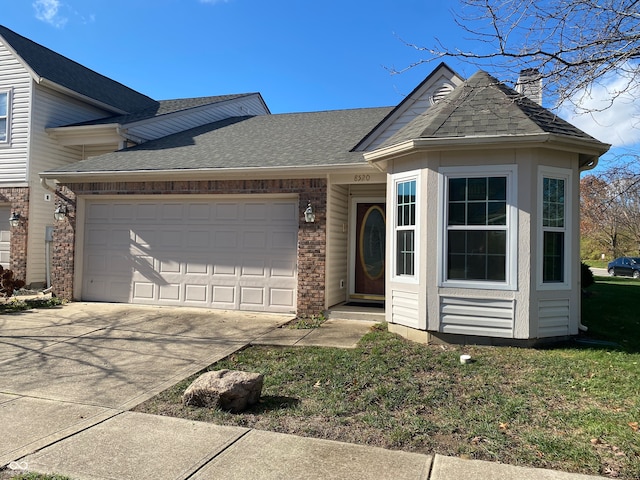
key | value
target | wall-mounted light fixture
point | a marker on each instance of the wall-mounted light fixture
(14, 219)
(309, 216)
(60, 212)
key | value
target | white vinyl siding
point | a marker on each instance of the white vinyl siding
(477, 316)
(15, 79)
(50, 108)
(337, 244)
(180, 121)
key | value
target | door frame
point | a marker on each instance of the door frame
(353, 213)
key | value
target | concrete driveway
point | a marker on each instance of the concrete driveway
(65, 369)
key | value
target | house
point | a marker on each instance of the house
(457, 208)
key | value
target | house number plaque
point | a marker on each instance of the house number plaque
(362, 178)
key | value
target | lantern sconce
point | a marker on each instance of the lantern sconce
(60, 212)
(14, 219)
(309, 216)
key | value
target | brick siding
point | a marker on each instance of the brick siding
(311, 236)
(18, 198)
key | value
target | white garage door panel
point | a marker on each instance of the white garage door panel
(226, 254)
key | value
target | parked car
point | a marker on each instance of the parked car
(625, 266)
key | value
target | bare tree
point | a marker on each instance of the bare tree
(575, 44)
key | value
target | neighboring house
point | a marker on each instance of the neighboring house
(458, 209)
(41, 91)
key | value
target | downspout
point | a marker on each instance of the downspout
(46, 186)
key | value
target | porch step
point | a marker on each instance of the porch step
(348, 312)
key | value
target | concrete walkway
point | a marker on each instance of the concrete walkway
(70, 375)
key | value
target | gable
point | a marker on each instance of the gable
(442, 81)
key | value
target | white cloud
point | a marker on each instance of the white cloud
(49, 11)
(609, 111)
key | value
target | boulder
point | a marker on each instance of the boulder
(230, 390)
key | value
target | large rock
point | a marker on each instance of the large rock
(225, 389)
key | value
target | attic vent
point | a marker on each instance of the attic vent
(440, 92)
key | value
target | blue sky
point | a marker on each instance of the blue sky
(301, 56)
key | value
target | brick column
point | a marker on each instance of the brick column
(63, 257)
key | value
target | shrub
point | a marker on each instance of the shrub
(586, 275)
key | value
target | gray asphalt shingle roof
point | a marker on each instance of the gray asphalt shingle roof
(296, 139)
(482, 106)
(61, 70)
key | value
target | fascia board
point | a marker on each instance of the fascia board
(560, 142)
(86, 134)
(206, 173)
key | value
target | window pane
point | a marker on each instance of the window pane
(553, 257)
(496, 268)
(3, 129)
(497, 243)
(457, 242)
(457, 214)
(457, 189)
(477, 189)
(477, 213)
(497, 213)
(477, 267)
(497, 188)
(3, 104)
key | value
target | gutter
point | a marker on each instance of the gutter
(589, 147)
(314, 171)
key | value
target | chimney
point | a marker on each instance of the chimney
(530, 84)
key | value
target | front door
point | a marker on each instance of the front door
(369, 252)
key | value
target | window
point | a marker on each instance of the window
(479, 227)
(554, 201)
(405, 227)
(4, 117)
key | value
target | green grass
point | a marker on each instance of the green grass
(611, 312)
(597, 263)
(570, 407)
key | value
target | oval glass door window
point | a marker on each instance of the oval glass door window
(372, 241)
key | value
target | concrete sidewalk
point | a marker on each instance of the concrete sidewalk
(70, 375)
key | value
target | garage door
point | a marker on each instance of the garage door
(230, 254)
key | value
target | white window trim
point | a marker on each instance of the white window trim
(566, 175)
(511, 274)
(400, 178)
(7, 140)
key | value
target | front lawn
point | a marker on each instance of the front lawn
(574, 407)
